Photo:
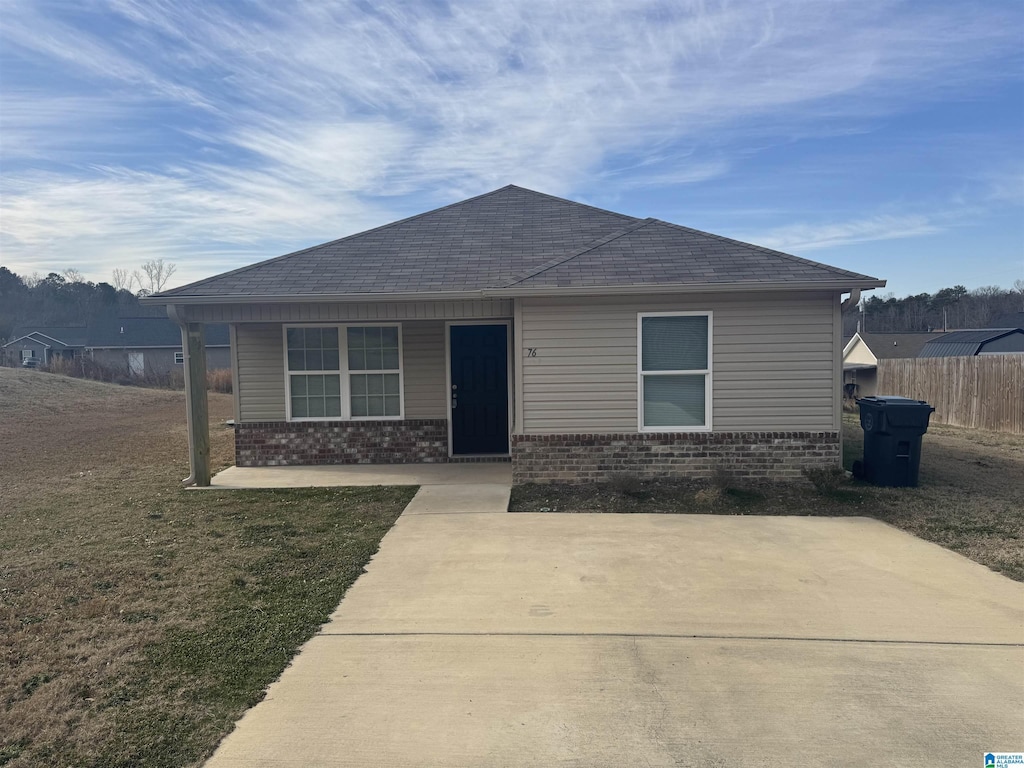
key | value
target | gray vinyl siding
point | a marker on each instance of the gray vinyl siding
(261, 391)
(13, 351)
(423, 369)
(260, 374)
(773, 361)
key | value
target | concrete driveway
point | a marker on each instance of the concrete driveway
(490, 639)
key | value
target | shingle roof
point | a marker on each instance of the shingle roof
(963, 343)
(58, 337)
(133, 332)
(513, 238)
(654, 252)
(139, 332)
(886, 346)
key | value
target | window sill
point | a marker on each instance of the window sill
(342, 419)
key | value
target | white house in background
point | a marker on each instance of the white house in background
(862, 353)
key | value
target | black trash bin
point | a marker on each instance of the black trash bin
(893, 427)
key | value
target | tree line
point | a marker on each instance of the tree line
(68, 299)
(949, 308)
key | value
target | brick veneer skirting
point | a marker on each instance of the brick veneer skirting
(285, 443)
(747, 455)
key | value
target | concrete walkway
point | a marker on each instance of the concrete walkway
(460, 473)
(484, 639)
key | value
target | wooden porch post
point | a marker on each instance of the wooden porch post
(196, 403)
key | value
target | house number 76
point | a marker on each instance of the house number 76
(531, 351)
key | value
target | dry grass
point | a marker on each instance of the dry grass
(138, 620)
(970, 499)
(219, 380)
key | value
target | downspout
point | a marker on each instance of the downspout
(851, 300)
(174, 314)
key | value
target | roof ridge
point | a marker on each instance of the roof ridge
(635, 225)
(181, 289)
(761, 248)
(567, 200)
(197, 283)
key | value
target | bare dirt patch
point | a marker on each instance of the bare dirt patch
(139, 620)
(970, 499)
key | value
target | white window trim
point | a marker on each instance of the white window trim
(179, 358)
(343, 372)
(640, 373)
(28, 354)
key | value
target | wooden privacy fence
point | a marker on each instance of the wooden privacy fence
(984, 392)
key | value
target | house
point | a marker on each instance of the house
(151, 345)
(43, 344)
(862, 353)
(987, 341)
(570, 340)
(141, 346)
(1008, 320)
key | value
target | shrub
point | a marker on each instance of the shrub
(84, 367)
(825, 479)
(219, 380)
(709, 497)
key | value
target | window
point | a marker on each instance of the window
(375, 392)
(27, 354)
(344, 372)
(179, 358)
(674, 365)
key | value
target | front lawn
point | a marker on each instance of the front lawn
(970, 499)
(140, 621)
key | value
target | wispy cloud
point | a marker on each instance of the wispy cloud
(214, 134)
(797, 238)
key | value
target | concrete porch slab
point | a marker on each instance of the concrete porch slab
(484, 473)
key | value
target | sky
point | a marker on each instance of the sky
(880, 136)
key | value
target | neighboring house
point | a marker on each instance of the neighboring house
(1008, 320)
(142, 346)
(986, 341)
(43, 344)
(575, 342)
(151, 345)
(862, 353)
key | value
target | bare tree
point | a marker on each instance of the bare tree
(122, 279)
(157, 274)
(73, 275)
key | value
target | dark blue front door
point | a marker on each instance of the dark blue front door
(479, 395)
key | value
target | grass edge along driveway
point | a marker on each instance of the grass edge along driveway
(215, 597)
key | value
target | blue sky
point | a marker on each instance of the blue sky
(881, 136)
